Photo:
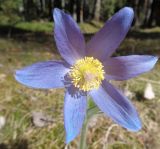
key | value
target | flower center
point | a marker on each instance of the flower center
(87, 74)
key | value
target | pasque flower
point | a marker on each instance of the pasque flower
(87, 69)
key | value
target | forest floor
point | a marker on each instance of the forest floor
(18, 103)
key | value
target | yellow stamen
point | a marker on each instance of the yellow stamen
(87, 74)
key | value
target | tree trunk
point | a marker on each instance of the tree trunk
(157, 13)
(137, 13)
(58, 4)
(151, 17)
(29, 9)
(71, 6)
(97, 10)
(79, 10)
(50, 8)
(86, 14)
(147, 12)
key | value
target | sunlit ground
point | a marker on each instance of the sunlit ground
(18, 102)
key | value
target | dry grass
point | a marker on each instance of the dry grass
(17, 103)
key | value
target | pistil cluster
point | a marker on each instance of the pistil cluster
(87, 74)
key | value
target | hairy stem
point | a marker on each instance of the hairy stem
(83, 139)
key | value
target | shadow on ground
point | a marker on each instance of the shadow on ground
(6, 30)
(137, 42)
(18, 144)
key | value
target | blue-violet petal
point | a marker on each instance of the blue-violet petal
(104, 43)
(43, 75)
(112, 102)
(126, 67)
(69, 39)
(74, 114)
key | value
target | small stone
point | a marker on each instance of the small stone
(33, 98)
(2, 77)
(128, 93)
(93, 121)
(148, 92)
(2, 121)
(40, 119)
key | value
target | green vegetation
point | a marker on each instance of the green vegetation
(35, 26)
(47, 27)
(88, 27)
(150, 30)
(18, 102)
(146, 11)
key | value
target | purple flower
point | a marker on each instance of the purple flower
(87, 69)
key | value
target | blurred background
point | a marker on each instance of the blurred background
(33, 119)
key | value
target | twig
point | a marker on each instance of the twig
(148, 80)
(66, 147)
(105, 144)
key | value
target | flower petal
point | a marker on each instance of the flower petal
(69, 39)
(104, 43)
(74, 114)
(115, 105)
(44, 75)
(125, 67)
